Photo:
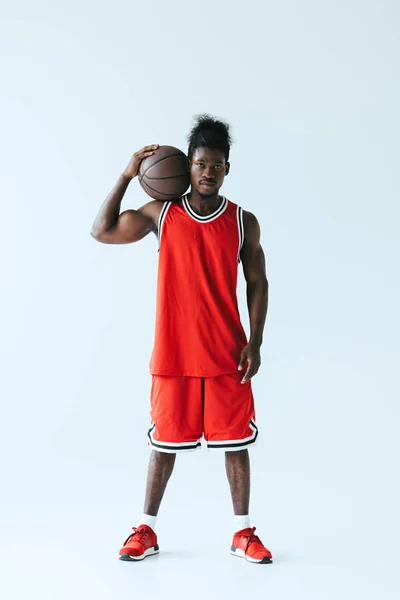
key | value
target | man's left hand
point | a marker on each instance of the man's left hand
(250, 353)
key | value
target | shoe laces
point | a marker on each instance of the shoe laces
(251, 537)
(138, 535)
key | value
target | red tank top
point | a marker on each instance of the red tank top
(198, 331)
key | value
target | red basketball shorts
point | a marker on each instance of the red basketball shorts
(183, 409)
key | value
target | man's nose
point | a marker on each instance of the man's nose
(208, 173)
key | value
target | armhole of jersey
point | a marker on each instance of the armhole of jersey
(239, 215)
(161, 219)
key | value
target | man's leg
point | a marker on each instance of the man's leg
(245, 543)
(143, 542)
(161, 465)
(238, 471)
(173, 400)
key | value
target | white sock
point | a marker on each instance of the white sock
(241, 522)
(148, 520)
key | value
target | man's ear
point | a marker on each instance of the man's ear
(227, 168)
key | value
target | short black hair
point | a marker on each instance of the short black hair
(209, 132)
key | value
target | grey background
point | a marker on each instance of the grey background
(312, 92)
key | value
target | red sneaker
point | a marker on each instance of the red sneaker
(249, 546)
(141, 543)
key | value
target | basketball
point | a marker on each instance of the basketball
(165, 175)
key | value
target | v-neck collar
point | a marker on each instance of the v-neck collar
(206, 218)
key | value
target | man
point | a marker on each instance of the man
(200, 348)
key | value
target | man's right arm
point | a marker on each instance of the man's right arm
(111, 227)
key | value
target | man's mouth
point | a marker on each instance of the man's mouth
(208, 183)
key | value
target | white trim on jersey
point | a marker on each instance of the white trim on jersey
(239, 216)
(207, 218)
(161, 218)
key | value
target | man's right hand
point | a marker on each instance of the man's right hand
(133, 167)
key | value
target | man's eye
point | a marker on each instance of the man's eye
(217, 166)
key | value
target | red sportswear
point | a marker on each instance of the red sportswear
(198, 331)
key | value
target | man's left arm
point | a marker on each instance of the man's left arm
(253, 261)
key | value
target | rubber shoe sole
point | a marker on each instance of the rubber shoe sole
(148, 552)
(241, 554)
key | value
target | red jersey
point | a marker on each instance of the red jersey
(198, 331)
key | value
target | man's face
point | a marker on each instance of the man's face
(208, 169)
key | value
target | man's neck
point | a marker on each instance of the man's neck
(203, 205)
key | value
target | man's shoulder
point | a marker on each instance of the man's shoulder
(154, 209)
(237, 205)
(250, 224)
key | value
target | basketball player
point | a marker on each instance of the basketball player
(202, 363)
